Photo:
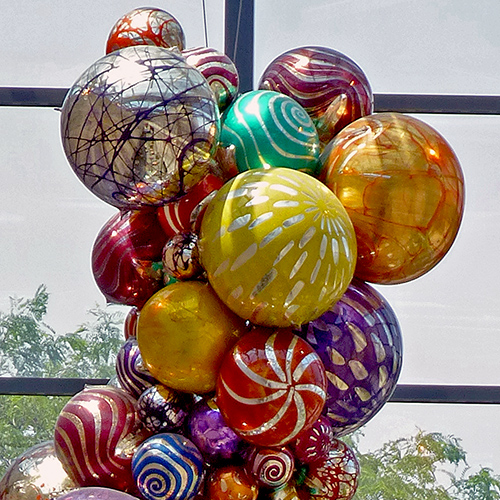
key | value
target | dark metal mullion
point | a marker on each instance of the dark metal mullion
(449, 394)
(453, 394)
(239, 39)
(403, 103)
(35, 386)
(438, 104)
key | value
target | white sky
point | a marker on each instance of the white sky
(450, 318)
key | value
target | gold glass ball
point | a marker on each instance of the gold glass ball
(183, 333)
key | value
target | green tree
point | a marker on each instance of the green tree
(483, 485)
(29, 347)
(426, 466)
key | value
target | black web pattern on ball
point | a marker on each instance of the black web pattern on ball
(139, 126)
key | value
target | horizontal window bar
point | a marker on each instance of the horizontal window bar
(455, 394)
(32, 386)
(450, 394)
(32, 96)
(403, 103)
(438, 104)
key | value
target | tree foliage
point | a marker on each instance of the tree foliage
(31, 348)
(426, 466)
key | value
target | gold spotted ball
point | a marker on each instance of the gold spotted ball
(278, 246)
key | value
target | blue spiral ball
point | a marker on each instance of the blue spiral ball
(167, 466)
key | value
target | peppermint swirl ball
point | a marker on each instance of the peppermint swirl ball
(272, 467)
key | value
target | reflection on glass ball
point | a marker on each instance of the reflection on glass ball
(36, 474)
(139, 127)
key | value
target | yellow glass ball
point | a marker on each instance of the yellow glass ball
(278, 246)
(183, 333)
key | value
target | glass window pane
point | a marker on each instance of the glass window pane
(450, 317)
(51, 44)
(466, 422)
(413, 46)
(49, 222)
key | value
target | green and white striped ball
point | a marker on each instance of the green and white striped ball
(269, 129)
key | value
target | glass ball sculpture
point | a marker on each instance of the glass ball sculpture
(139, 126)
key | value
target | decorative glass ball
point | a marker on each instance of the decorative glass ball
(331, 87)
(167, 466)
(220, 72)
(271, 387)
(403, 188)
(269, 129)
(181, 256)
(336, 476)
(278, 247)
(161, 409)
(146, 26)
(139, 126)
(360, 344)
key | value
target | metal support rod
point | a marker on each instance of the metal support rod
(239, 39)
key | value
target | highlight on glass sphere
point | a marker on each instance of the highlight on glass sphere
(403, 188)
(36, 473)
(146, 26)
(332, 88)
(140, 126)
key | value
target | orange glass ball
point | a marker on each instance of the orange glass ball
(183, 333)
(403, 188)
(231, 483)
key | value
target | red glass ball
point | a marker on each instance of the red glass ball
(271, 387)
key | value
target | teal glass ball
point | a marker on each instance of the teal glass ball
(269, 129)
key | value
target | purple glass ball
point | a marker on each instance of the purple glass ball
(359, 342)
(96, 493)
(209, 432)
(130, 370)
(161, 409)
(314, 443)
